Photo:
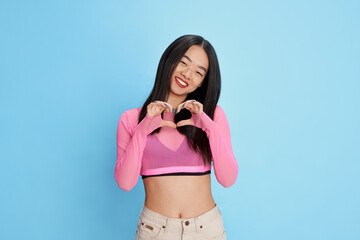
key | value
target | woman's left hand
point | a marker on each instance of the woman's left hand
(193, 106)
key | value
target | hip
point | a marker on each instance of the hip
(153, 225)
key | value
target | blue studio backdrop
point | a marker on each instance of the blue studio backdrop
(290, 90)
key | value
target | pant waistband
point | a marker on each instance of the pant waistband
(161, 219)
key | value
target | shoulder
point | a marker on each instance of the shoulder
(219, 115)
(129, 118)
(218, 109)
(219, 112)
(131, 113)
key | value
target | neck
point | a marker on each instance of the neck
(174, 100)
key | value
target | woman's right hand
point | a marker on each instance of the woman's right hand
(155, 109)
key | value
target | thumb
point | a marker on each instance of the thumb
(184, 122)
(168, 124)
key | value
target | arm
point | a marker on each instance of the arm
(218, 133)
(130, 148)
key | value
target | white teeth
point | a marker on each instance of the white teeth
(182, 83)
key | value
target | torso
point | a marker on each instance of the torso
(179, 196)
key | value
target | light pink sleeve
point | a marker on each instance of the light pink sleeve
(130, 147)
(218, 133)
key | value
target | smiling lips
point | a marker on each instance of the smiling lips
(181, 83)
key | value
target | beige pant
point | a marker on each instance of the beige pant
(153, 225)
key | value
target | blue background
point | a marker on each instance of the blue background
(290, 90)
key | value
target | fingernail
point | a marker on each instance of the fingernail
(183, 105)
(166, 104)
(193, 100)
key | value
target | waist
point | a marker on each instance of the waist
(179, 196)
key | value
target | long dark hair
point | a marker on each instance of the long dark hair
(208, 93)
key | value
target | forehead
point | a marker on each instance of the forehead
(198, 56)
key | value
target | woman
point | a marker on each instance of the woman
(171, 142)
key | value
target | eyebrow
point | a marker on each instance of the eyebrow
(198, 65)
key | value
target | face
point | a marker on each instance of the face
(190, 72)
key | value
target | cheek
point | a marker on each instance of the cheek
(200, 82)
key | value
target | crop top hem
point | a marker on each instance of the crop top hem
(190, 169)
(178, 174)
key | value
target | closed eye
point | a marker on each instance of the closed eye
(199, 73)
(184, 63)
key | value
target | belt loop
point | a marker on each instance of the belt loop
(166, 224)
(142, 209)
(197, 224)
(218, 209)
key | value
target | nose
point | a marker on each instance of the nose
(186, 73)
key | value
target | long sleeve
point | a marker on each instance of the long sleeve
(218, 133)
(130, 148)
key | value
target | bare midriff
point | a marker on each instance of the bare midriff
(179, 196)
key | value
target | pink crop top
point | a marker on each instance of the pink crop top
(167, 152)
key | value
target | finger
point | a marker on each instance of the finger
(151, 105)
(160, 106)
(192, 103)
(184, 123)
(155, 110)
(182, 105)
(168, 106)
(198, 107)
(149, 110)
(168, 124)
(157, 103)
(191, 107)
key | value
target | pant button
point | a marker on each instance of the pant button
(187, 223)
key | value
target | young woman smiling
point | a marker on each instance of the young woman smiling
(173, 140)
